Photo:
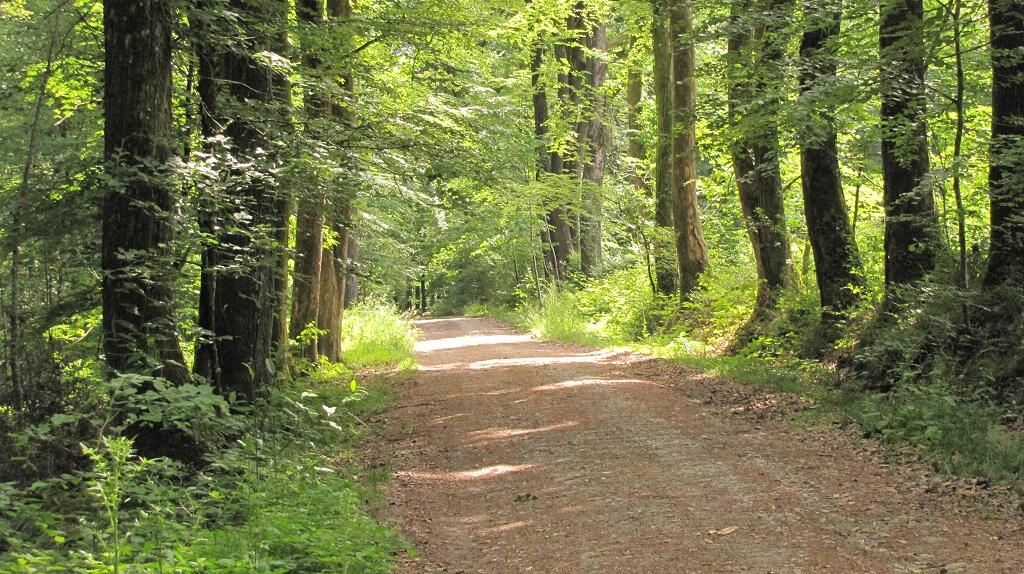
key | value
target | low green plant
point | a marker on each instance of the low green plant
(278, 493)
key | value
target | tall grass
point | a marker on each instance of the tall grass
(376, 334)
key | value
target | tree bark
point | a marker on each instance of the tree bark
(330, 309)
(544, 159)
(836, 257)
(247, 291)
(597, 138)
(210, 61)
(756, 54)
(664, 260)
(139, 326)
(691, 251)
(309, 231)
(1006, 172)
(351, 267)
(911, 225)
(284, 199)
(637, 149)
(341, 220)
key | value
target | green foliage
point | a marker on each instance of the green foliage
(283, 496)
(377, 335)
(963, 435)
(558, 317)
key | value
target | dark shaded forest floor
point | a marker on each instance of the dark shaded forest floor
(514, 455)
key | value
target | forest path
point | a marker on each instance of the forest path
(514, 455)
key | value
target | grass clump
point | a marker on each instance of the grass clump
(376, 335)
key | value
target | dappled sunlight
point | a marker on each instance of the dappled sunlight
(476, 474)
(501, 529)
(500, 433)
(589, 383)
(439, 321)
(593, 358)
(430, 346)
(441, 420)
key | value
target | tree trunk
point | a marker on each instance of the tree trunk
(284, 200)
(637, 149)
(597, 138)
(330, 308)
(423, 293)
(333, 275)
(911, 225)
(309, 253)
(1006, 172)
(139, 326)
(309, 231)
(563, 229)
(691, 251)
(544, 159)
(351, 266)
(664, 260)
(209, 57)
(756, 53)
(247, 290)
(139, 323)
(836, 257)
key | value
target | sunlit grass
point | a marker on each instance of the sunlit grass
(376, 335)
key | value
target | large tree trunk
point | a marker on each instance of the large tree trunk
(309, 231)
(664, 260)
(209, 56)
(911, 225)
(562, 228)
(597, 138)
(1006, 172)
(139, 326)
(836, 258)
(756, 53)
(332, 293)
(335, 268)
(284, 199)
(691, 251)
(248, 288)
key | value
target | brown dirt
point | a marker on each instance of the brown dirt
(513, 455)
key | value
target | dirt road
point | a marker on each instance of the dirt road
(513, 455)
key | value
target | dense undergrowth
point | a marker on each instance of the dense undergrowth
(277, 492)
(940, 375)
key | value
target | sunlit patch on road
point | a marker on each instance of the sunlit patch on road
(469, 341)
(591, 382)
(476, 474)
